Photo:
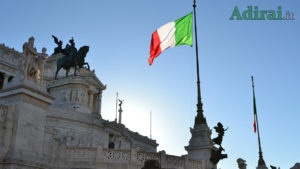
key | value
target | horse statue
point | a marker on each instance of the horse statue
(76, 60)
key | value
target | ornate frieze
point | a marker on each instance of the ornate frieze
(73, 138)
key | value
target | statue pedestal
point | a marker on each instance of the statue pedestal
(81, 93)
(200, 145)
(25, 121)
(261, 167)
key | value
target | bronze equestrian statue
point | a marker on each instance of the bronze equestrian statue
(71, 58)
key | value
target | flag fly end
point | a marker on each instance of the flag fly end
(172, 34)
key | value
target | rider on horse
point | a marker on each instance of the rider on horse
(71, 57)
(70, 50)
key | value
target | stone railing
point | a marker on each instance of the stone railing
(106, 158)
(114, 155)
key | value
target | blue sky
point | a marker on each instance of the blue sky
(230, 51)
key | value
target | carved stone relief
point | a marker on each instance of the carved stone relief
(76, 96)
(73, 138)
(3, 112)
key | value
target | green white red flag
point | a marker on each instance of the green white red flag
(254, 107)
(172, 34)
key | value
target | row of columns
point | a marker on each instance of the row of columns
(94, 101)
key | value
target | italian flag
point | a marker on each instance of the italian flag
(254, 108)
(172, 34)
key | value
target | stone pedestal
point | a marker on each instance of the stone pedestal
(200, 145)
(261, 167)
(25, 121)
(81, 93)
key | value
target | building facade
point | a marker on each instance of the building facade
(48, 123)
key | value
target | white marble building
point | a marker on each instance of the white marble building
(48, 123)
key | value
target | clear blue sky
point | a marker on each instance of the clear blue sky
(230, 51)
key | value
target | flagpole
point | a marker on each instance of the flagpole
(200, 117)
(261, 161)
(151, 124)
(116, 106)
